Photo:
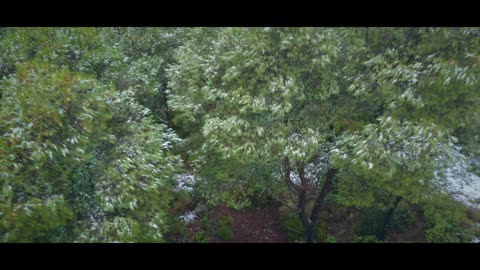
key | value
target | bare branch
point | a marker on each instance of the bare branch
(289, 206)
(295, 231)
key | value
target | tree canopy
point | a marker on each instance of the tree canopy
(97, 125)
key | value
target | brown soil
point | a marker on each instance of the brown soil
(262, 224)
(252, 225)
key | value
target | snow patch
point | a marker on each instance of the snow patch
(458, 181)
(476, 239)
(96, 216)
(188, 217)
(313, 171)
(184, 182)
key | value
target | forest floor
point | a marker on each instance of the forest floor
(252, 225)
(266, 224)
(256, 224)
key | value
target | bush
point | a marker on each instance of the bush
(237, 186)
(201, 237)
(292, 225)
(366, 239)
(322, 235)
(182, 201)
(204, 221)
(83, 187)
(224, 231)
(402, 219)
(447, 221)
(330, 239)
(371, 222)
(176, 228)
(203, 234)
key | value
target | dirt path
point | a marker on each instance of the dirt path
(252, 225)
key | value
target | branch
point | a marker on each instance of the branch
(295, 231)
(286, 204)
(326, 189)
(289, 190)
(290, 185)
(302, 196)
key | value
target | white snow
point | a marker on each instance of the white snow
(312, 170)
(476, 239)
(458, 181)
(188, 217)
(184, 182)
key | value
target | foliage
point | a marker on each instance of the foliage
(146, 54)
(256, 95)
(291, 225)
(201, 237)
(403, 218)
(205, 222)
(96, 123)
(263, 88)
(137, 175)
(394, 156)
(366, 239)
(447, 221)
(46, 130)
(237, 187)
(374, 104)
(371, 222)
(75, 150)
(223, 230)
(203, 234)
(177, 231)
(224, 233)
(330, 239)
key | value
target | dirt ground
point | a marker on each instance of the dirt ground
(252, 225)
(262, 224)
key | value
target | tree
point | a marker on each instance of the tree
(45, 132)
(147, 53)
(418, 89)
(81, 160)
(261, 94)
(137, 173)
(324, 104)
(365, 117)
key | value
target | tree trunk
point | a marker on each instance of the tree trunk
(302, 205)
(326, 189)
(310, 223)
(388, 218)
(311, 233)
